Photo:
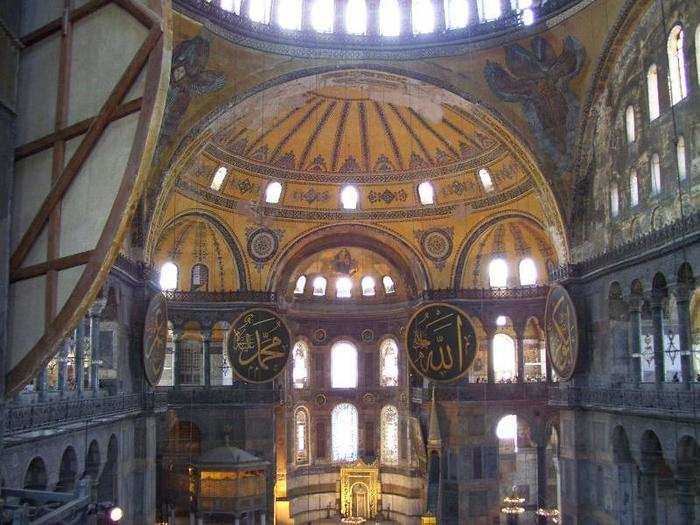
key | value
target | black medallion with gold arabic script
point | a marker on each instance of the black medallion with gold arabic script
(258, 345)
(561, 327)
(441, 342)
(155, 338)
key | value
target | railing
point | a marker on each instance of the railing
(489, 392)
(219, 395)
(40, 507)
(675, 400)
(480, 294)
(233, 296)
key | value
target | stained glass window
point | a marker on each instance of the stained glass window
(300, 369)
(389, 363)
(301, 435)
(301, 284)
(343, 287)
(320, 286)
(344, 432)
(390, 435)
(367, 285)
(388, 283)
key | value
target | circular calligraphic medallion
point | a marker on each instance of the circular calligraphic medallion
(155, 338)
(258, 345)
(436, 245)
(561, 328)
(262, 245)
(441, 342)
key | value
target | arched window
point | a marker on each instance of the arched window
(426, 193)
(259, 11)
(300, 368)
(501, 320)
(456, 13)
(653, 91)
(389, 18)
(389, 363)
(343, 287)
(349, 197)
(489, 9)
(389, 286)
(697, 50)
(301, 284)
(218, 178)
(301, 436)
(655, 168)
(320, 286)
(507, 431)
(273, 192)
(368, 285)
(344, 432)
(289, 14)
(356, 17)
(168, 276)
(634, 189)
(200, 277)
(322, 14)
(680, 158)
(498, 273)
(422, 16)
(343, 365)
(504, 367)
(233, 6)
(35, 478)
(614, 201)
(629, 124)
(486, 181)
(676, 65)
(528, 272)
(390, 435)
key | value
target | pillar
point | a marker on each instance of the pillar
(94, 315)
(262, 518)
(657, 320)
(520, 349)
(490, 377)
(635, 334)
(439, 10)
(80, 357)
(177, 355)
(41, 384)
(473, 12)
(683, 303)
(339, 20)
(542, 502)
(372, 17)
(547, 368)
(206, 357)
(63, 367)
(406, 18)
(686, 501)
(647, 493)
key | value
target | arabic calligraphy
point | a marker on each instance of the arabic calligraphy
(441, 342)
(258, 346)
(562, 332)
(155, 338)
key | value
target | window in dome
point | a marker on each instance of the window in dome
(676, 66)
(344, 365)
(655, 174)
(289, 14)
(320, 286)
(389, 286)
(343, 287)
(422, 16)
(486, 181)
(614, 201)
(259, 11)
(168, 276)
(498, 273)
(344, 432)
(456, 13)
(218, 179)
(199, 277)
(680, 158)
(356, 17)
(273, 192)
(527, 15)
(504, 366)
(426, 193)
(233, 6)
(634, 189)
(368, 285)
(301, 435)
(322, 14)
(300, 368)
(528, 272)
(389, 18)
(653, 92)
(489, 9)
(390, 435)
(301, 284)
(389, 363)
(629, 124)
(501, 320)
(349, 197)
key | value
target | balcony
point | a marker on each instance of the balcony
(219, 395)
(486, 392)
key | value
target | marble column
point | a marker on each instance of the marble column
(177, 355)
(657, 320)
(206, 355)
(80, 357)
(683, 293)
(490, 376)
(41, 384)
(520, 349)
(94, 315)
(647, 494)
(542, 502)
(635, 335)
(63, 367)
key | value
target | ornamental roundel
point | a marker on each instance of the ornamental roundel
(441, 342)
(155, 338)
(320, 336)
(262, 245)
(436, 245)
(561, 328)
(367, 335)
(258, 345)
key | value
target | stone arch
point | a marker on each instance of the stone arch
(617, 307)
(68, 471)
(36, 478)
(620, 446)
(107, 489)
(92, 461)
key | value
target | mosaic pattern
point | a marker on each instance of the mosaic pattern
(436, 244)
(262, 244)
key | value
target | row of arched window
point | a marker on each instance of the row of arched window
(344, 434)
(322, 19)
(344, 285)
(169, 276)
(344, 369)
(498, 272)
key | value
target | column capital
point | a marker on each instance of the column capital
(206, 334)
(683, 291)
(635, 303)
(97, 307)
